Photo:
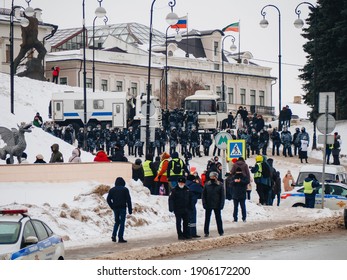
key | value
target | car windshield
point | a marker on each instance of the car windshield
(9, 232)
(304, 175)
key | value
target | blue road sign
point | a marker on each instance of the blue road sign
(236, 149)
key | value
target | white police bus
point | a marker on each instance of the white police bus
(211, 110)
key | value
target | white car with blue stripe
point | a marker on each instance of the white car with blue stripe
(335, 197)
(24, 238)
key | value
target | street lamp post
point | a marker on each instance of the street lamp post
(232, 48)
(29, 12)
(299, 23)
(171, 19)
(264, 23)
(93, 68)
(99, 12)
(178, 38)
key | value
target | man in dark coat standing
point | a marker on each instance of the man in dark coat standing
(239, 185)
(119, 199)
(196, 190)
(213, 199)
(180, 202)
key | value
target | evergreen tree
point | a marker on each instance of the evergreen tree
(326, 67)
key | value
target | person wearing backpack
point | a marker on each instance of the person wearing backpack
(176, 169)
(261, 171)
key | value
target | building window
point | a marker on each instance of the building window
(219, 91)
(170, 53)
(63, 80)
(215, 48)
(243, 96)
(207, 87)
(216, 66)
(230, 95)
(133, 89)
(89, 83)
(104, 85)
(252, 96)
(119, 86)
(261, 98)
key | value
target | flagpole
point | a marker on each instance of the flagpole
(187, 53)
(239, 42)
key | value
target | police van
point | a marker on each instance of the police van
(333, 173)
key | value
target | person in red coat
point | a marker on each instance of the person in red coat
(161, 177)
(101, 156)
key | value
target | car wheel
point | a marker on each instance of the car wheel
(299, 205)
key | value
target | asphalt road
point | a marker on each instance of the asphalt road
(323, 246)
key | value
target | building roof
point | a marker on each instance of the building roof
(131, 33)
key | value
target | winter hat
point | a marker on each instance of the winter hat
(138, 161)
(258, 158)
(174, 155)
(213, 174)
(181, 180)
(39, 156)
(120, 182)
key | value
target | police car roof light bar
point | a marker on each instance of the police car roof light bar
(13, 211)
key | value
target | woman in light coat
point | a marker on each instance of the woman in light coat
(76, 156)
(288, 182)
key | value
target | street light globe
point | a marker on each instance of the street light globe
(100, 12)
(24, 22)
(299, 23)
(29, 11)
(178, 37)
(264, 23)
(171, 18)
(233, 47)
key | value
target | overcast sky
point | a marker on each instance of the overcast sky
(205, 15)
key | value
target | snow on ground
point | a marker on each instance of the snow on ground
(78, 211)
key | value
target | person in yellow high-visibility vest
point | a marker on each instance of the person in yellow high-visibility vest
(310, 186)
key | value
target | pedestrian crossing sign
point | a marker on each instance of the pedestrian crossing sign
(236, 149)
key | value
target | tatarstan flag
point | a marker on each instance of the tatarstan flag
(235, 27)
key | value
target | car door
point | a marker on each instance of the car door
(338, 199)
(46, 248)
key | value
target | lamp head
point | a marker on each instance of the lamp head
(178, 37)
(233, 47)
(29, 12)
(299, 23)
(172, 18)
(264, 23)
(100, 12)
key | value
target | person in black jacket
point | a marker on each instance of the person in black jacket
(180, 202)
(137, 170)
(213, 199)
(195, 189)
(239, 184)
(119, 199)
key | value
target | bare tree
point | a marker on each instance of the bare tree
(180, 89)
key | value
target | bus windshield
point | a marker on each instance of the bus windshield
(201, 106)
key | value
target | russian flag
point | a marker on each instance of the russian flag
(182, 23)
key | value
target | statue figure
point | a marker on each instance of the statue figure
(30, 41)
(15, 141)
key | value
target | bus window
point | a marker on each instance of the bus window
(207, 106)
(221, 107)
(192, 105)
